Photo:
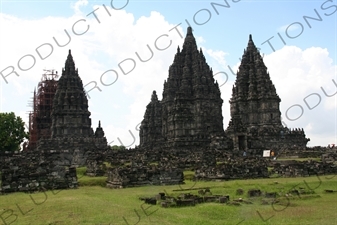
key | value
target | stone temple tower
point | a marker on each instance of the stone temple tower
(71, 116)
(255, 114)
(189, 114)
(72, 138)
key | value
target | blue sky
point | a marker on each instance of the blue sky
(261, 18)
(302, 64)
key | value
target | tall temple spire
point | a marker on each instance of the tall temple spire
(69, 67)
(70, 116)
(72, 138)
(253, 78)
(254, 104)
(191, 104)
(190, 44)
(189, 31)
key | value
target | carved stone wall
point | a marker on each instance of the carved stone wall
(139, 175)
(32, 171)
(234, 168)
(302, 169)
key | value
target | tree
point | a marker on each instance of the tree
(12, 132)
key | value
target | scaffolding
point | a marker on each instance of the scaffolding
(40, 120)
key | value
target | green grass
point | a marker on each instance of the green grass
(80, 171)
(100, 205)
(298, 159)
(92, 181)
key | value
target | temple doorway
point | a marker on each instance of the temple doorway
(241, 142)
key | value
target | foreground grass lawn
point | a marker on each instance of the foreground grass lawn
(99, 205)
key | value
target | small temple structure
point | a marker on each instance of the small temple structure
(254, 107)
(71, 129)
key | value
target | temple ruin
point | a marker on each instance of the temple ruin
(254, 106)
(42, 103)
(72, 138)
(189, 114)
(182, 131)
(61, 137)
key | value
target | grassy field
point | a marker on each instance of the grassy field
(93, 204)
(299, 159)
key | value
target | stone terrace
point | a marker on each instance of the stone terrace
(139, 175)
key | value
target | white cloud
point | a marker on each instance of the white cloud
(298, 76)
(118, 37)
(79, 4)
(199, 40)
(218, 55)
